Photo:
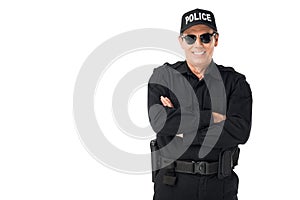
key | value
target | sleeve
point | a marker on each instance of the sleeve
(165, 121)
(236, 128)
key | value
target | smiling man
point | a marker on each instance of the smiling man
(197, 106)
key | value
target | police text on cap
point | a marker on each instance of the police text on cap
(197, 16)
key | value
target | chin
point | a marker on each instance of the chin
(203, 61)
(198, 62)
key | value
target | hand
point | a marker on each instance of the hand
(218, 117)
(166, 102)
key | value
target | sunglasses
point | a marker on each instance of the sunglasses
(204, 38)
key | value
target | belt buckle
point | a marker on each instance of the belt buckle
(200, 167)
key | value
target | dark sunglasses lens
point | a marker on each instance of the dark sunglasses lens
(205, 38)
(190, 39)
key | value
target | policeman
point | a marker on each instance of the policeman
(201, 112)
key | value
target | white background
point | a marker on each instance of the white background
(43, 46)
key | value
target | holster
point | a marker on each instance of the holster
(154, 158)
(228, 159)
(170, 177)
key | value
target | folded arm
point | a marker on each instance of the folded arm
(235, 129)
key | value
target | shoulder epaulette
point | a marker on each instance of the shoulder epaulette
(228, 69)
(175, 65)
(231, 70)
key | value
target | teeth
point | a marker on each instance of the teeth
(199, 53)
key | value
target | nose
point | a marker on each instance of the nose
(198, 42)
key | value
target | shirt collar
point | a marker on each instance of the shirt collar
(212, 70)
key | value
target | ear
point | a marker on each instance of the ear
(180, 40)
(216, 39)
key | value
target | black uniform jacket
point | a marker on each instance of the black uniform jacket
(222, 90)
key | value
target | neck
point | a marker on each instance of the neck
(198, 70)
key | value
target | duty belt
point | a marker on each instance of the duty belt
(227, 161)
(192, 167)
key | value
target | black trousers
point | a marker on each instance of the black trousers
(196, 187)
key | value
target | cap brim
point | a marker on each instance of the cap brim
(190, 25)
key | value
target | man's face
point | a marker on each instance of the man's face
(199, 54)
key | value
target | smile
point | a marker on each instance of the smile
(198, 52)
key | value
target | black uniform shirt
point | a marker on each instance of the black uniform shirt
(234, 94)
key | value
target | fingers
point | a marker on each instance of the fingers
(166, 102)
(218, 117)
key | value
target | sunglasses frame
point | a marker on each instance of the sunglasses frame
(201, 38)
